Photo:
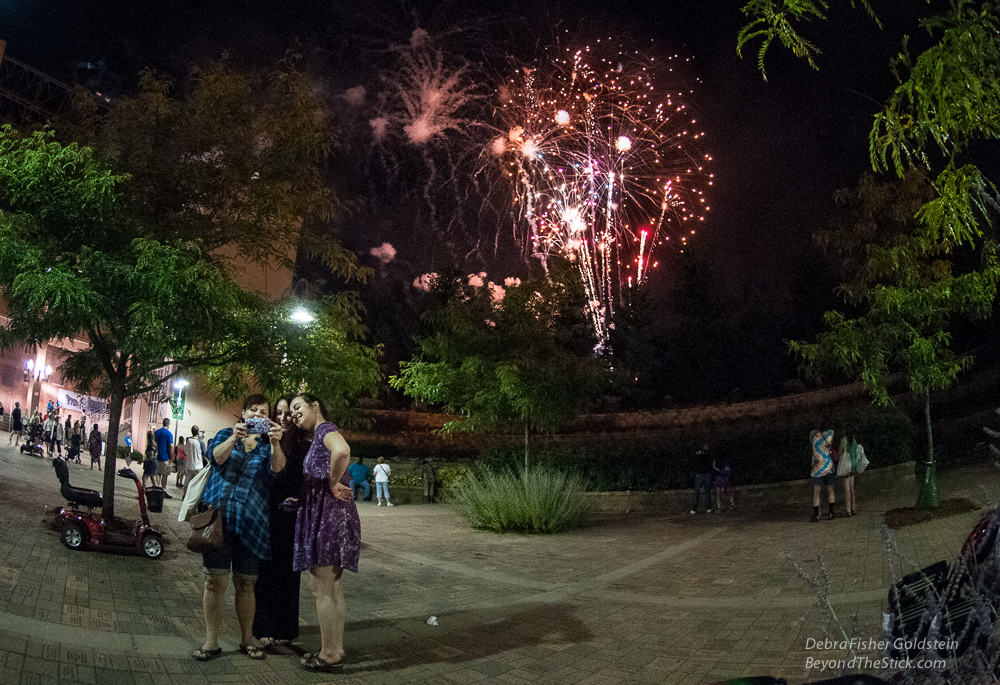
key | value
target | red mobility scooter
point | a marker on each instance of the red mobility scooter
(80, 529)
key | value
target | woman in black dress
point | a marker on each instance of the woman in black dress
(276, 621)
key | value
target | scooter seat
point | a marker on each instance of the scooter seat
(82, 497)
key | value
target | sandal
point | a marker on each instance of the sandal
(315, 664)
(207, 654)
(253, 652)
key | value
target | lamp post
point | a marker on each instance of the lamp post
(33, 372)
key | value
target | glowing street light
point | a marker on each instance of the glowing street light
(302, 315)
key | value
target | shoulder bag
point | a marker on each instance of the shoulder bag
(206, 528)
(862, 459)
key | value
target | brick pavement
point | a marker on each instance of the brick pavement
(647, 599)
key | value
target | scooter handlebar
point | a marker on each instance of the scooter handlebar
(127, 473)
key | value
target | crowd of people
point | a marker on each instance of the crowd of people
(49, 432)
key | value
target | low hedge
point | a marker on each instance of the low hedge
(756, 453)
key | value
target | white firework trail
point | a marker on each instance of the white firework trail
(603, 164)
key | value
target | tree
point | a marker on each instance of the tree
(327, 355)
(234, 163)
(134, 245)
(524, 360)
(908, 292)
(949, 98)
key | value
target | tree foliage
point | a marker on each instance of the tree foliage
(777, 19)
(232, 160)
(133, 244)
(328, 356)
(908, 289)
(523, 361)
(905, 237)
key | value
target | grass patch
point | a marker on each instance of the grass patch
(909, 516)
(503, 501)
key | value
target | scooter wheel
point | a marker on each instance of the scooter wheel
(152, 546)
(72, 535)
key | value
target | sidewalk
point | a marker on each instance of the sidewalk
(653, 599)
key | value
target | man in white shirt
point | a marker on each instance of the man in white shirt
(195, 454)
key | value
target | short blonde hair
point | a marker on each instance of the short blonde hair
(381, 460)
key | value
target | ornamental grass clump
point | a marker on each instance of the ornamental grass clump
(544, 501)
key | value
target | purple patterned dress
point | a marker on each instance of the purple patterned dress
(327, 529)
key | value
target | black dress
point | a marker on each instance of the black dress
(277, 588)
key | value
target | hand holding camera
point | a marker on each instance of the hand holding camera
(258, 426)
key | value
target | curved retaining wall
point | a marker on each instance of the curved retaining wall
(868, 483)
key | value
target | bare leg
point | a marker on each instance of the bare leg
(816, 489)
(212, 605)
(246, 606)
(331, 609)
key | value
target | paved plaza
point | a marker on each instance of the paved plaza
(647, 599)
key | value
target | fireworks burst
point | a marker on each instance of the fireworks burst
(603, 164)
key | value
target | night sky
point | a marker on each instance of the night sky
(781, 147)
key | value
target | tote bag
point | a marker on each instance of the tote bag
(193, 495)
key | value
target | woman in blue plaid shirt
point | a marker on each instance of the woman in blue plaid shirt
(242, 464)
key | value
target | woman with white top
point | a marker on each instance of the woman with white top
(382, 472)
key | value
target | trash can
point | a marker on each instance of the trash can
(154, 499)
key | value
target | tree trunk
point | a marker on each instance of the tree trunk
(115, 402)
(927, 422)
(526, 451)
(928, 497)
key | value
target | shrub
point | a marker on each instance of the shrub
(450, 476)
(123, 452)
(503, 501)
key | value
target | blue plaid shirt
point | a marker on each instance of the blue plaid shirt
(246, 478)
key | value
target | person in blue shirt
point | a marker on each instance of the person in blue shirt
(359, 474)
(164, 448)
(242, 465)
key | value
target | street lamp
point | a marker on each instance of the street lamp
(41, 374)
(302, 315)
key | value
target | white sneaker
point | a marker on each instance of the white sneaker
(389, 504)
(708, 511)
(379, 503)
(692, 512)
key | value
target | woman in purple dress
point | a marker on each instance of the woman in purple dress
(327, 529)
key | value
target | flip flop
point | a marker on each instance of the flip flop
(206, 654)
(253, 652)
(315, 664)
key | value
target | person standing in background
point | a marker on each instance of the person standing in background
(16, 427)
(180, 458)
(822, 470)
(96, 444)
(382, 473)
(164, 450)
(195, 454)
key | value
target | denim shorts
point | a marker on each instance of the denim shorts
(829, 478)
(233, 554)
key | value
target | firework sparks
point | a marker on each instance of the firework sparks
(603, 167)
